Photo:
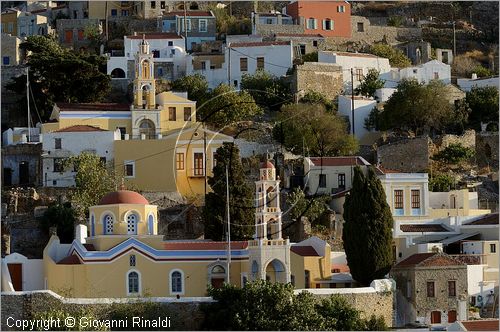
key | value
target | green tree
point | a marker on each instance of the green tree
(225, 106)
(482, 71)
(310, 127)
(313, 97)
(240, 198)
(61, 216)
(417, 107)
(196, 86)
(395, 56)
(268, 91)
(310, 57)
(454, 153)
(370, 84)
(95, 36)
(58, 75)
(342, 316)
(483, 103)
(441, 183)
(93, 180)
(300, 206)
(367, 232)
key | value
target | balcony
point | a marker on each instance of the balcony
(471, 259)
(196, 172)
(262, 242)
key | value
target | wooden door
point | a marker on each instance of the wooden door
(452, 316)
(217, 282)
(24, 173)
(68, 36)
(435, 317)
(16, 275)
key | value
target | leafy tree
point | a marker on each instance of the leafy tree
(370, 84)
(241, 208)
(367, 233)
(93, 180)
(95, 36)
(61, 216)
(324, 133)
(58, 75)
(417, 107)
(225, 106)
(310, 57)
(454, 154)
(441, 183)
(268, 90)
(484, 105)
(313, 97)
(261, 306)
(395, 56)
(196, 86)
(461, 113)
(311, 208)
(482, 71)
(372, 122)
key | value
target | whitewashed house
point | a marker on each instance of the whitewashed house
(360, 63)
(275, 57)
(169, 56)
(466, 84)
(432, 70)
(72, 141)
(362, 108)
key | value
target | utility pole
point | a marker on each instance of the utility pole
(228, 226)
(106, 18)
(185, 27)
(352, 100)
(454, 40)
(28, 100)
(229, 64)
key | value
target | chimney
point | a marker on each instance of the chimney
(474, 76)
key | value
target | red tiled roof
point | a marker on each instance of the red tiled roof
(204, 245)
(341, 268)
(156, 35)
(191, 13)
(303, 35)
(339, 161)
(70, 260)
(304, 250)
(69, 107)
(423, 228)
(79, 128)
(89, 246)
(360, 55)
(258, 44)
(481, 325)
(429, 259)
(382, 170)
(489, 219)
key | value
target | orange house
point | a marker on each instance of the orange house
(328, 18)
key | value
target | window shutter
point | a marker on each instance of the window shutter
(315, 23)
(324, 24)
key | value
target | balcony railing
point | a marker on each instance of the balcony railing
(262, 242)
(197, 172)
(471, 259)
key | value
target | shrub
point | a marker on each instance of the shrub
(441, 183)
(61, 216)
(395, 21)
(310, 57)
(454, 154)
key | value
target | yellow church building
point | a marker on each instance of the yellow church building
(120, 254)
(162, 147)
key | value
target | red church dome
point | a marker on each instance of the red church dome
(267, 164)
(123, 197)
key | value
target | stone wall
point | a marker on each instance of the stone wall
(13, 155)
(319, 77)
(408, 155)
(487, 149)
(467, 139)
(271, 29)
(9, 99)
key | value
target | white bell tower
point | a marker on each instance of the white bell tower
(269, 253)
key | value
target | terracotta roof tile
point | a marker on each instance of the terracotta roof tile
(70, 107)
(414, 259)
(423, 228)
(204, 245)
(304, 250)
(258, 44)
(429, 259)
(489, 219)
(79, 128)
(155, 35)
(339, 161)
(481, 325)
(70, 260)
(382, 170)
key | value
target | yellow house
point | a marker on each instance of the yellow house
(104, 9)
(122, 254)
(162, 147)
(9, 21)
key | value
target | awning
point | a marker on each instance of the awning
(457, 238)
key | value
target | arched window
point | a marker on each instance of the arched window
(147, 127)
(145, 70)
(218, 269)
(132, 224)
(133, 283)
(117, 73)
(151, 224)
(92, 226)
(108, 224)
(176, 282)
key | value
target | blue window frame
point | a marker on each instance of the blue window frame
(6, 60)
(151, 226)
(114, 12)
(92, 226)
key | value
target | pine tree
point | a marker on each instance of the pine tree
(367, 233)
(241, 205)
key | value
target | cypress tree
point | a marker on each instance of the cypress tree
(367, 233)
(241, 200)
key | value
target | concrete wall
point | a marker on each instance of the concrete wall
(428, 71)
(32, 271)
(362, 109)
(467, 84)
